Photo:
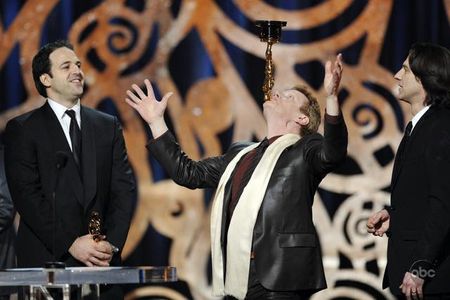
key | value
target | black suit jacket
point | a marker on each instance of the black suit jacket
(285, 242)
(420, 205)
(35, 143)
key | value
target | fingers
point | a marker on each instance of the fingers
(149, 87)
(92, 252)
(131, 103)
(138, 91)
(405, 290)
(88, 263)
(98, 262)
(374, 226)
(166, 98)
(104, 247)
(338, 63)
(328, 67)
(97, 258)
(98, 237)
(335, 68)
(133, 97)
(419, 293)
(103, 256)
(410, 288)
(337, 72)
(372, 221)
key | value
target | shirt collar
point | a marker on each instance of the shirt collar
(419, 115)
(60, 110)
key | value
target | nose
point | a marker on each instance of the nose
(74, 68)
(398, 75)
(76, 71)
(276, 94)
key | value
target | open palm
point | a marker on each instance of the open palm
(150, 109)
(333, 75)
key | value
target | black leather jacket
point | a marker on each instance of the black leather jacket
(285, 242)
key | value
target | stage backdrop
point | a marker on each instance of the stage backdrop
(208, 53)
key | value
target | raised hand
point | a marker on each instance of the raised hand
(333, 75)
(150, 109)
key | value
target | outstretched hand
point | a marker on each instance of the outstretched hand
(333, 75)
(150, 109)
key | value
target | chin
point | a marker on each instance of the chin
(79, 91)
(268, 103)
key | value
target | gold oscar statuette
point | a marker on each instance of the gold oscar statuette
(95, 227)
(269, 32)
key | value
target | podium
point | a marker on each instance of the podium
(40, 279)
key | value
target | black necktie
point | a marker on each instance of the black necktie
(404, 141)
(408, 128)
(75, 137)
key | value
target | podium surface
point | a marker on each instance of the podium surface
(40, 280)
(86, 275)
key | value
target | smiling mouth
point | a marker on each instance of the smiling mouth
(76, 80)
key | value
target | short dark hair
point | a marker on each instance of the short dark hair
(430, 63)
(312, 110)
(41, 63)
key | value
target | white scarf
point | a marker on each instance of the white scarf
(240, 231)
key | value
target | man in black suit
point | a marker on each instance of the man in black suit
(63, 162)
(264, 243)
(418, 220)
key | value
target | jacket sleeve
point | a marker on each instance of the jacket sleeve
(22, 172)
(183, 170)
(437, 225)
(122, 194)
(324, 154)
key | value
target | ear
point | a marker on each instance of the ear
(302, 120)
(45, 79)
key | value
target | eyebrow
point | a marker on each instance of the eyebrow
(69, 61)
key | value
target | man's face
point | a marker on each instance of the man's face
(409, 87)
(286, 105)
(67, 80)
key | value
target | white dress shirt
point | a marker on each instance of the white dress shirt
(63, 118)
(417, 117)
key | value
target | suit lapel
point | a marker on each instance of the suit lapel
(60, 144)
(88, 154)
(404, 148)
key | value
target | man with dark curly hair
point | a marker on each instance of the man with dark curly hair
(418, 219)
